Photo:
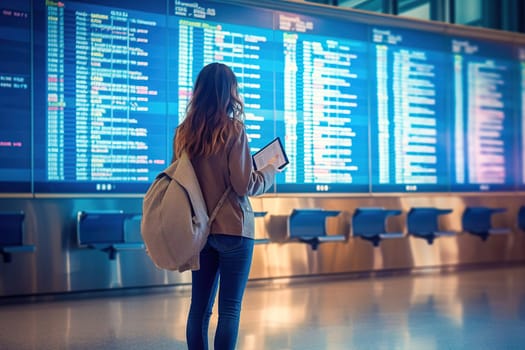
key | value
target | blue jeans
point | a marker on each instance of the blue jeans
(229, 257)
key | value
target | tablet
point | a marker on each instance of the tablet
(274, 148)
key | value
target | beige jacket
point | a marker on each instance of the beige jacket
(234, 166)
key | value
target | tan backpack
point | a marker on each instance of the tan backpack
(175, 222)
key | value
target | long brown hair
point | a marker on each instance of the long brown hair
(214, 108)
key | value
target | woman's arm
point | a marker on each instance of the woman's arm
(244, 179)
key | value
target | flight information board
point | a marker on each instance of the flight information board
(484, 106)
(91, 92)
(322, 109)
(408, 115)
(105, 98)
(15, 96)
(240, 37)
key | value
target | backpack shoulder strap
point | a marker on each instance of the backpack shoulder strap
(219, 204)
(186, 163)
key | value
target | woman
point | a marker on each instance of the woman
(215, 140)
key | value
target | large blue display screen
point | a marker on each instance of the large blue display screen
(105, 91)
(15, 96)
(240, 37)
(521, 118)
(322, 113)
(408, 118)
(484, 104)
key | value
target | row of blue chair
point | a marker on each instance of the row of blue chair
(105, 231)
(308, 225)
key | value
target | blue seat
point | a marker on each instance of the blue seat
(424, 223)
(105, 231)
(478, 221)
(12, 235)
(309, 226)
(370, 224)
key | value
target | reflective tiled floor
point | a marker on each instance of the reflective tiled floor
(475, 309)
